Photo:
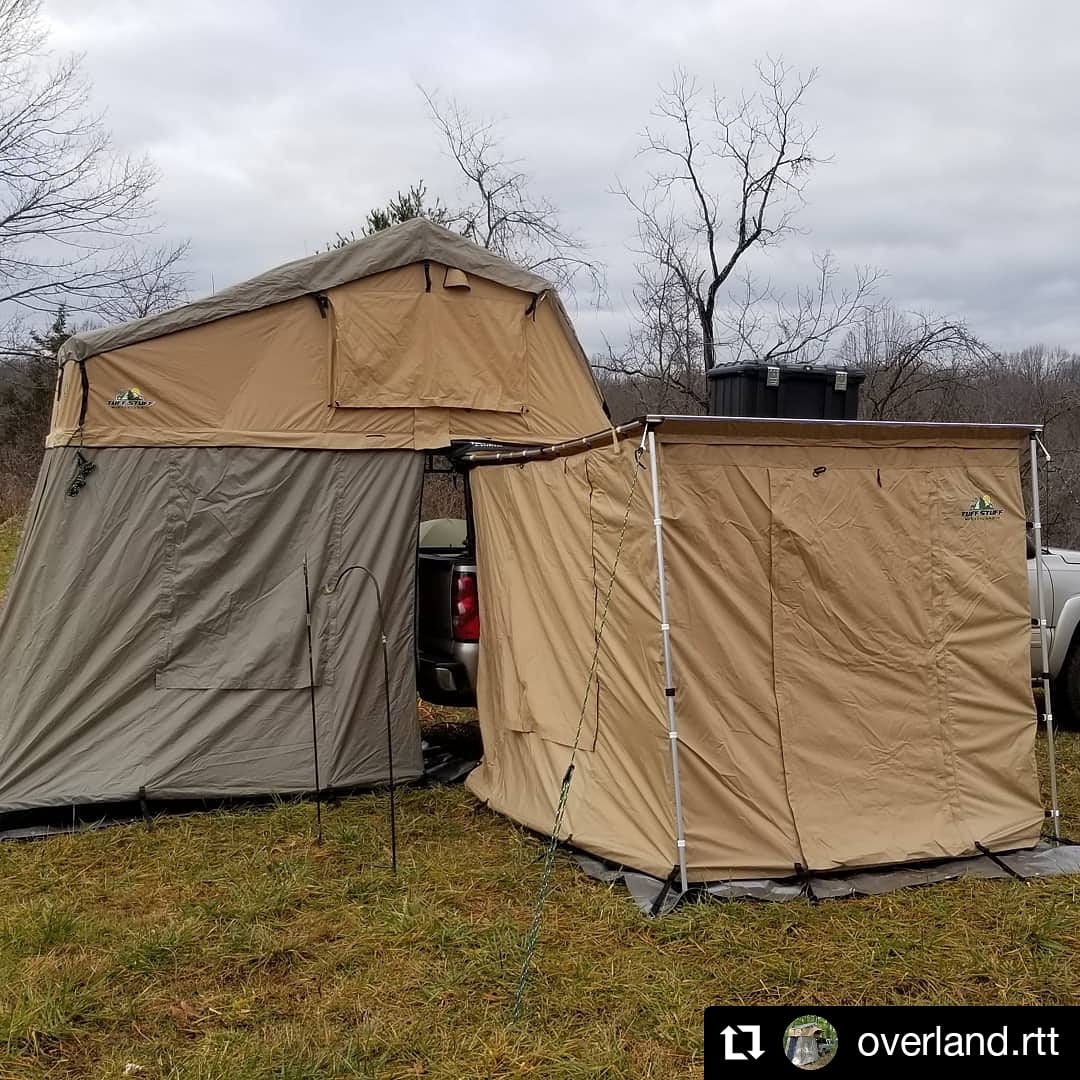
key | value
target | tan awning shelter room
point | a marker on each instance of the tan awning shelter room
(153, 637)
(840, 611)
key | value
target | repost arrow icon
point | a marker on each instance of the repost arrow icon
(730, 1053)
(755, 1050)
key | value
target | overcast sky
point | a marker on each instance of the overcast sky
(952, 127)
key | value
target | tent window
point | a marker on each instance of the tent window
(449, 348)
(234, 584)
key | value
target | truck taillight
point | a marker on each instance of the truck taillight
(466, 611)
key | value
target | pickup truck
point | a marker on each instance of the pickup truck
(447, 613)
(1061, 598)
(448, 619)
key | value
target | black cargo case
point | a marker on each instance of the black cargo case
(803, 391)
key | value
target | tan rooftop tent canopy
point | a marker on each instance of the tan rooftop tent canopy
(153, 640)
(847, 614)
(411, 338)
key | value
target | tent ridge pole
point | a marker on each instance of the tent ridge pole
(665, 637)
(1048, 708)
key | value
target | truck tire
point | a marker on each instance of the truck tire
(1065, 691)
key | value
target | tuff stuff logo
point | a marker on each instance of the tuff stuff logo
(130, 399)
(982, 508)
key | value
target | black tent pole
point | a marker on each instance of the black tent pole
(386, 697)
(314, 722)
(389, 742)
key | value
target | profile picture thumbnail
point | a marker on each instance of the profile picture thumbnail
(810, 1042)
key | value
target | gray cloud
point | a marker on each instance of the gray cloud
(952, 128)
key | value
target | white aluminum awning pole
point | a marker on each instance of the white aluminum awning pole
(669, 682)
(1048, 708)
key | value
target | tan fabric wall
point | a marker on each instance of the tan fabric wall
(719, 568)
(390, 366)
(850, 651)
(985, 635)
(546, 538)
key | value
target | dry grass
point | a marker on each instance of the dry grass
(10, 531)
(229, 947)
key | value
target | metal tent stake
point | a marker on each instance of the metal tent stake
(328, 589)
(669, 682)
(1048, 708)
(314, 721)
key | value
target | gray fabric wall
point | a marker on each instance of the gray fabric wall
(153, 632)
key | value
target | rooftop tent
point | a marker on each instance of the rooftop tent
(409, 338)
(849, 634)
(153, 638)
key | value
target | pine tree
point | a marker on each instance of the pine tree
(405, 206)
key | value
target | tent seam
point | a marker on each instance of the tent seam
(775, 681)
(942, 665)
(596, 591)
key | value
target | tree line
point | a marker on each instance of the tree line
(725, 182)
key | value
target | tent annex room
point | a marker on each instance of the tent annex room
(843, 622)
(153, 640)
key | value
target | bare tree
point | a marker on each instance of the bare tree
(658, 366)
(154, 281)
(778, 329)
(71, 210)
(919, 366)
(501, 212)
(1039, 384)
(731, 180)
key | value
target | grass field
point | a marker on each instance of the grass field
(229, 946)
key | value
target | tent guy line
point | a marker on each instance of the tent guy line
(533, 935)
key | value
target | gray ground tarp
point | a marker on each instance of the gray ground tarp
(654, 897)
(156, 640)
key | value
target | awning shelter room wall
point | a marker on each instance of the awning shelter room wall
(547, 534)
(850, 649)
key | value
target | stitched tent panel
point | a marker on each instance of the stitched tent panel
(978, 577)
(534, 528)
(719, 573)
(856, 645)
(849, 645)
(445, 349)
